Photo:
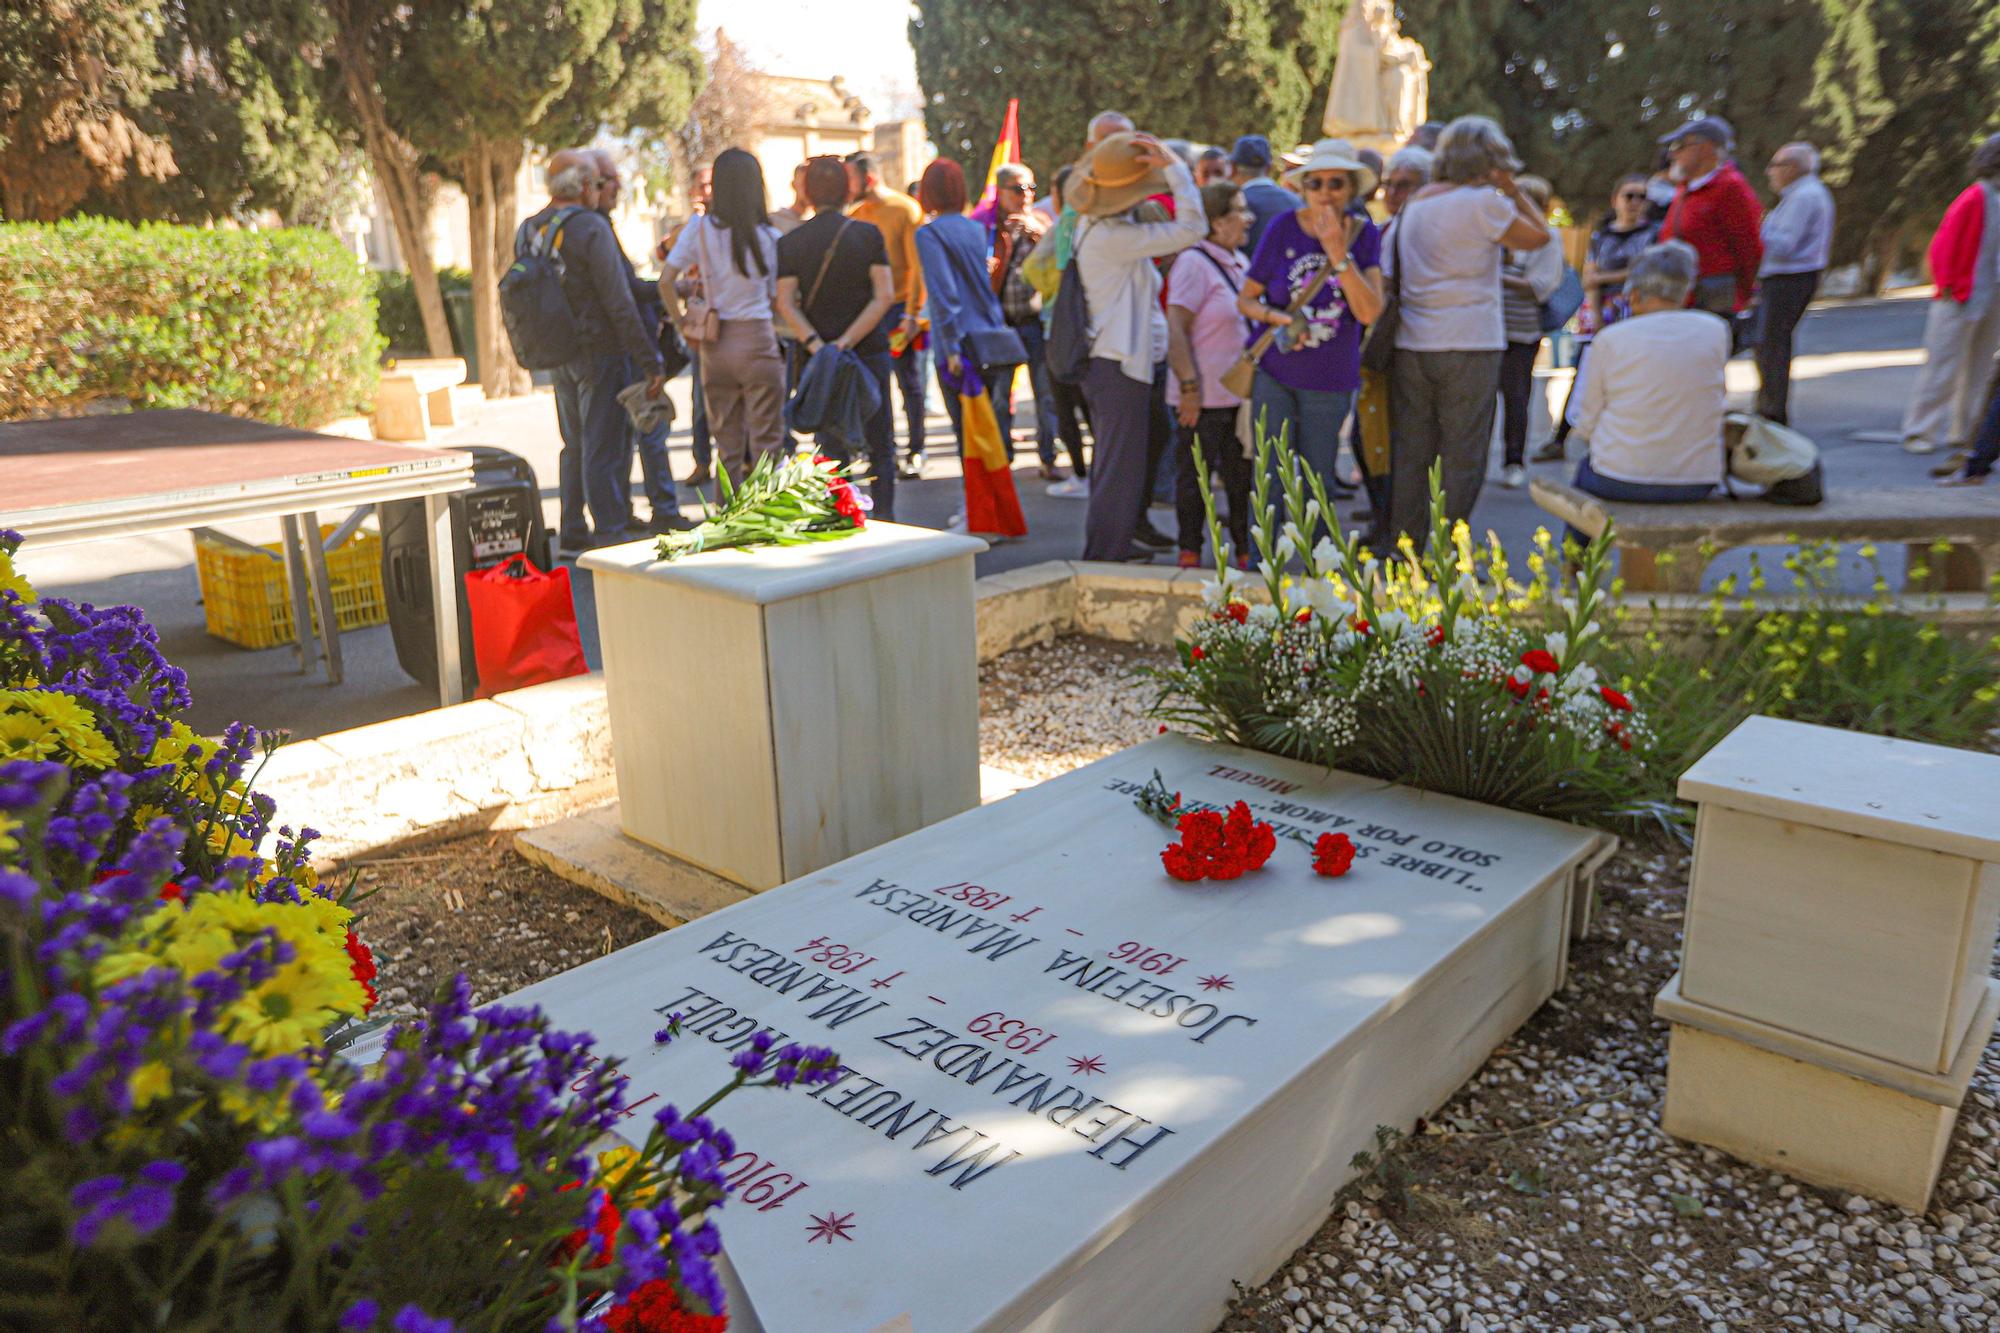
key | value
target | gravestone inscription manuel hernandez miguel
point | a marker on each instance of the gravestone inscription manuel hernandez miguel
(1076, 1093)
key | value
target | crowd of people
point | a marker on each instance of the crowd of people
(1339, 287)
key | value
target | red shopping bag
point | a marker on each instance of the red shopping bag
(523, 626)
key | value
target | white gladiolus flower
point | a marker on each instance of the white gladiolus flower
(1291, 533)
(1390, 624)
(1523, 676)
(1468, 588)
(1324, 601)
(1218, 593)
(1312, 515)
(1287, 548)
(1581, 679)
(1558, 644)
(1326, 554)
(1264, 614)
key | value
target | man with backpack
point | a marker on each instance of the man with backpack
(569, 309)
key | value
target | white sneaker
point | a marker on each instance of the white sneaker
(1913, 444)
(1076, 488)
(957, 523)
(1514, 477)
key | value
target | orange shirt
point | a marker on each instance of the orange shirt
(897, 217)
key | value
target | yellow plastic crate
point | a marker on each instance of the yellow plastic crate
(246, 600)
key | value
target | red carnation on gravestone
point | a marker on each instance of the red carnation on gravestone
(1333, 854)
(1215, 846)
(1615, 698)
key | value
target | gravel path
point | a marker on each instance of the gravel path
(1542, 1197)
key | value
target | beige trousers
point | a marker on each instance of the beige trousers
(743, 379)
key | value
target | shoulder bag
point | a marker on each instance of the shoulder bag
(699, 322)
(1239, 378)
(986, 347)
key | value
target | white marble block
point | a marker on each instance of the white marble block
(779, 709)
(1843, 888)
(1079, 1094)
(1819, 1112)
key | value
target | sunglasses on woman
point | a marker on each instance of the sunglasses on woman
(1630, 195)
(1314, 183)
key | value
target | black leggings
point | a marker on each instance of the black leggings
(1517, 386)
(1220, 452)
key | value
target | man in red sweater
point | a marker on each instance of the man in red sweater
(1716, 212)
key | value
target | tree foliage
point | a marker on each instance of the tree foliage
(1896, 92)
(73, 74)
(1205, 71)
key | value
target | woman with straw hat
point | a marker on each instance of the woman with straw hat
(1113, 254)
(1307, 379)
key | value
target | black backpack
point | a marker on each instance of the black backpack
(533, 305)
(1069, 326)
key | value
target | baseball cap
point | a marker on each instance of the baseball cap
(1712, 128)
(1252, 150)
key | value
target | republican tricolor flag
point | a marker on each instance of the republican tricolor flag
(991, 504)
(1005, 151)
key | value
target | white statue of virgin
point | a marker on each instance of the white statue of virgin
(1381, 79)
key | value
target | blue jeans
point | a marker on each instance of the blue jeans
(1311, 419)
(1640, 492)
(1034, 340)
(1986, 444)
(908, 371)
(654, 473)
(594, 435)
(880, 435)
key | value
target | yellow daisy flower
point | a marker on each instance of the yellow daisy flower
(25, 736)
(13, 582)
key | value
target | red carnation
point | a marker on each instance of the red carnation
(1615, 698)
(1333, 854)
(363, 963)
(1517, 688)
(1434, 636)
(1541, 660)
(654, 1307)
(1238, 612)
(1215, 846)
(606, 1232)
(1195, 654)
(171, 892)
(1360, 625)
(1304, 616)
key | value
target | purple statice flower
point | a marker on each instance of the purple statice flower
(671, 1030)
(144, 1202)
(360, 1316)
(412, 1319)
(806, 1066)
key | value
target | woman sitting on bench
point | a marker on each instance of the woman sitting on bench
(1651, 401)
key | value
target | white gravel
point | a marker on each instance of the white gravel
(1545, 1196)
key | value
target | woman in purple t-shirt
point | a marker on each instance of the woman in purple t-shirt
(1306, 382)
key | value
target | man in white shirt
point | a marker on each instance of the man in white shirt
(1798, 235)
(1652, 400)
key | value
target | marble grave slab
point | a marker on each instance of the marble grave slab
(1079, 1094)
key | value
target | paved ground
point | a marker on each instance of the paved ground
(1857, 362)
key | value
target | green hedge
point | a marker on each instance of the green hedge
(397, 315)
(277, 325)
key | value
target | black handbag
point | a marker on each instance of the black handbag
(1378, 349)
(988, 347)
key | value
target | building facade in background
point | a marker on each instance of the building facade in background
(797, 118)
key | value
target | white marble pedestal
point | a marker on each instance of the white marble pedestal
(1077, 1094)
(1834, 992)
(778, 709)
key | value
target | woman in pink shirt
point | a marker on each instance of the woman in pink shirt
(1205, 335)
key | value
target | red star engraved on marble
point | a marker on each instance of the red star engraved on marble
(834, 1226)
(1086, 1064)
(1217, 983)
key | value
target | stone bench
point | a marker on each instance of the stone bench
(1664, 547)
(415, 396)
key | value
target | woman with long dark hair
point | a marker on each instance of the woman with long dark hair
(732, 250)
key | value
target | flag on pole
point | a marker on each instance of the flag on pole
(991, 504)
(1005, 151)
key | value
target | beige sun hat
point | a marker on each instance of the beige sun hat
(1335, 155)
(1109, 179)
